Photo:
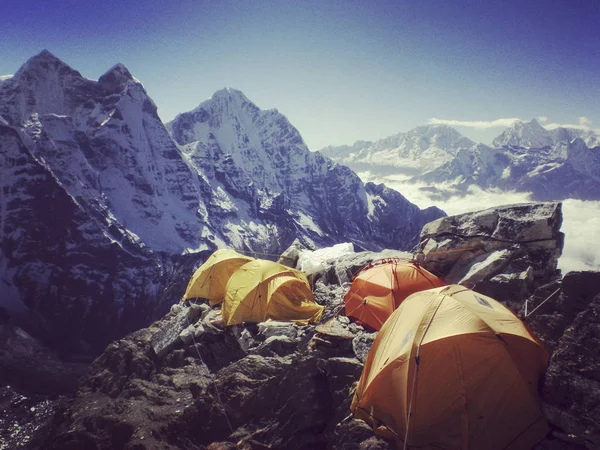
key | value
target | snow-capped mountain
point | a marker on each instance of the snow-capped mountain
(92, 188)
(61, 270)
(106, 146)
(414, 152)
(533, 135)
(262, 177)
(98, 202)
(531, 159)
(551, 164)
(562, 135)
(524, 134)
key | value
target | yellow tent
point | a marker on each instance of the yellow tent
(261, 290)
(453, 369)
(210, 279)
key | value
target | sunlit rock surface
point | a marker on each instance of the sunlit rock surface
(505, 252)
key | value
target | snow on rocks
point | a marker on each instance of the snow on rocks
(318, 261)
(337, 264)
(523, 242)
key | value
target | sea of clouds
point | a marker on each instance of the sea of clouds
(581, 219)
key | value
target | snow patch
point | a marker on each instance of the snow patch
(307, 222)
(319, 260)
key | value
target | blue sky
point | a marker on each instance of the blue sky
(340, 71)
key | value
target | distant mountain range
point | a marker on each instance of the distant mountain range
(100, 201)
(551, 164)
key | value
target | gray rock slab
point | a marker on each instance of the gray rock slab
(276, 328)
(474, 247)
(167, 336)
(361, 345)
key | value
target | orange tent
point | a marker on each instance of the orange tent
(453, 369)
(379, 288)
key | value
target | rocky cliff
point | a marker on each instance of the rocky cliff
(186, 382)
(267, 188)
(63, 276)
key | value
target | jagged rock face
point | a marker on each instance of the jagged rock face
(105, 144)
(284, 386)
(279, 386)
(263, 176)
(58, 263)
(504, 252)
(567, 324)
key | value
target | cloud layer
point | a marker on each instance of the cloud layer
(583, 123)
(482, 124)
(581, 219)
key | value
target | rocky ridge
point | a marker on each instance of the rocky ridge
(262, 176)
(284, 386)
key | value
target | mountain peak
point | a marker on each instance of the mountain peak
(230, 94)
(45, 55)
(116, 77)
(231, 115)
(439, 134)
(42, 63)
(120, 70)
(524, 134)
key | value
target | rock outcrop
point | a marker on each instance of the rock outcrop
(503, 252)
(565, 315)
(187, 382)
(271, 385)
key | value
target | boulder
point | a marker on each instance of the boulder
(277, 346)
(290, 256)
(498, 251)
(361, 345)
(277, 328)
(191, 333)
(180, 318)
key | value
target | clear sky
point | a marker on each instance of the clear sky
(339, 70)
